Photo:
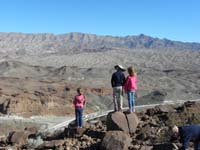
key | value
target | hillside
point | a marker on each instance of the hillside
(46, 63)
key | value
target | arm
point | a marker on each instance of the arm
(112, 80)
(84, 102)
(185, 142)
(123, 79)
(73, 101)
(135, 86)
(125, 85)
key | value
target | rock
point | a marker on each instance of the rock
(123, 122)
(52, 144)
(134, 147)
(117, 121)
(133, 122)
(74, 132)
(145, 117)
(151, 111)
(160, 110)
(146, 133)
(146, 148)
(3, 142)
(189, 104)
(175, 147)
(95, 133)
(116, 140)
(80, 131)
(5, 105)
(165, 109)
(19, 138)
(86, 138)
(164, 146)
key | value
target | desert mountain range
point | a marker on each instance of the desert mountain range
(21, 43)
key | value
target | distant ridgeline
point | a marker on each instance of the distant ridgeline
(21, 43)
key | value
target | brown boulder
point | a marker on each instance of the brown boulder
(117, 121)
(165, 109)
(133, 122)
(116, 140)
(19, 138)
(122, 121)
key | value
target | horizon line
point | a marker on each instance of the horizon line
(104, 35)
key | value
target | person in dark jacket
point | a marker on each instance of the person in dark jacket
(117, 82)
(186, 134)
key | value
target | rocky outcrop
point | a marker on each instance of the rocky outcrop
(152, 133)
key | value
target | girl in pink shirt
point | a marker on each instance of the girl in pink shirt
(130, 87)
(79, 102)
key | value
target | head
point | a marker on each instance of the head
(131, 71)
(119, 67)
(175, 133)
(79, 90)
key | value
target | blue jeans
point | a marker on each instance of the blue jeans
(131, 100)
(79, 117)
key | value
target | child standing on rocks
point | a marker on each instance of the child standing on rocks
(79, 102)
(130, 87)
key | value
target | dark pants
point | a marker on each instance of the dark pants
(79, 117)
(196, 146)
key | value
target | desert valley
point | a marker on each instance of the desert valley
(39, 73)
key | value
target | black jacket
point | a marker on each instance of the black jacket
(189, 133)
(118, 79)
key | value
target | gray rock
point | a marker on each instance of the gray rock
(122, 121)
(116, 140)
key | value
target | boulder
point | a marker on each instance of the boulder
(165, 109)
(120, 121)
(146, 148)
(132, 121)
(19, 138)
(117, 121)
(3, 140)
(116, 140)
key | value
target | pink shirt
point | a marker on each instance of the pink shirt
(79, 101)
(131, 83)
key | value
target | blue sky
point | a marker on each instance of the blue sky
(172, 19)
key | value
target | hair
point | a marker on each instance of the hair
(131, 71)
(79, 90)
(175, 129)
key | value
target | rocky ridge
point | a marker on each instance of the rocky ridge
(151, 131)
(38, 44)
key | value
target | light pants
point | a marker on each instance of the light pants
(131, 100)
(118, 98)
